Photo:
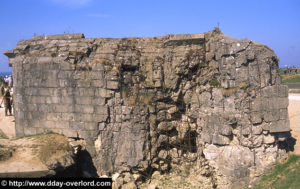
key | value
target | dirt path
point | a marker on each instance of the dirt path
(29, 156)
(7, 124)
(24, 157)
(294, 116)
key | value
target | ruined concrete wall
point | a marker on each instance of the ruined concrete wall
(145, 104)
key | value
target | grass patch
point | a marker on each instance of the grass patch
(203, 65)
(2, 135)
(136, 97)
(214, 82)
(285, 70)
(165, 89)
(6, 152)
(126, 91)
(52, 145)
(228, 92)
(142, 77)
(294, 78)
(140, 98)
(36, 135)
(284, 175)
(243, 85)
(294, 91)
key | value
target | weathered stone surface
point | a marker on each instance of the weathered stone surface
(269, 139)
(143, 103)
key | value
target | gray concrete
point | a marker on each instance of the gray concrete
(132, 99)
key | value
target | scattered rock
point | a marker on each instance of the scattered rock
(130, 185)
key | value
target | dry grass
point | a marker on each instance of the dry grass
(2, 135)
(145, 98)
(100, 61)
(132, 38)
(228, 92)
(294, 91)
(292, 78)
(5, 152)
(244, 85)
(52, 145)
(136, 97)
(140, 99)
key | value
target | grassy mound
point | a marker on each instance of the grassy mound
(53, 145)
(49, 145)
(294, 78)
(5, 152)
(285, 175)
(2, 135)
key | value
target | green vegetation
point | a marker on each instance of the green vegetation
(294, 78)
(284, 175)
(244, 85)
(290, 75)
(36, 135)
(294, 91)
(165, 89)
(2, 81)
(6, 152)
(125, 90)
(136, 96)
(2, 135)
(53, 54)
(288, 71)
(145, 98)
(142, 77)
(214, 82)
(203, 65)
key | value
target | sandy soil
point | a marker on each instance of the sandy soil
(294, 116)
(30, 154)
(26, 156)
(7, 124)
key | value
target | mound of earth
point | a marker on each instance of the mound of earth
(47, 154)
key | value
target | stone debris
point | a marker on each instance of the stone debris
(147, 105)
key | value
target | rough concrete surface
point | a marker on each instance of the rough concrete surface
(156, 105)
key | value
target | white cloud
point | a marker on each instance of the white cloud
(72, 3)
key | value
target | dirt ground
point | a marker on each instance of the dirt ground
(7, 124)
(294, 116)
(24, 158)
(29, 153)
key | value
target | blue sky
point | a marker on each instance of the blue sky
(275, 23)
